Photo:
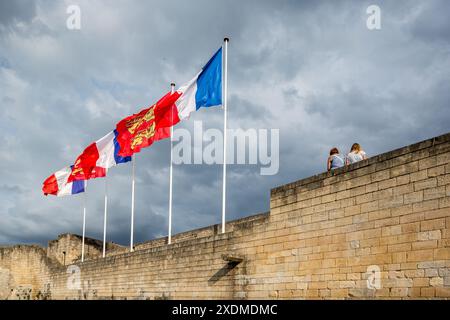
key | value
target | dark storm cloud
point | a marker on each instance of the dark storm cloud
(432, 24)
(309, 68)
(16, 11)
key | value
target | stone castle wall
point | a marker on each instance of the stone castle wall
(385, 219)
(67, 248)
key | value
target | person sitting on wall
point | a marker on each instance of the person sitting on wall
(335, 160)
(356, 154)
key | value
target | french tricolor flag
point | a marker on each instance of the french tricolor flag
(204, 90)
(97, 158)
(100, 155)
(107, 152)
(57, 184)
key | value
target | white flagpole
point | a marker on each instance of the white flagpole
(225, 89)
(84, 220)
(133, 160)
(106, 215)
(172, 86)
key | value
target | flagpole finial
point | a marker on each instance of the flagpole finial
(226, 39)
(172, 84)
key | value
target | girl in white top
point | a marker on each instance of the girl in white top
(356, 154)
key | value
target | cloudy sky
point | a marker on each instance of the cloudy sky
(310, 68)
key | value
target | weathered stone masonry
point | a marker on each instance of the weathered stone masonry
(390, 212)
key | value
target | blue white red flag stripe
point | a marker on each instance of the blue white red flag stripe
(106, 152)
(97, 158)
(58, 185)
(204, 90)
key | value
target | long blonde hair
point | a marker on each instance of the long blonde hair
(355, 147)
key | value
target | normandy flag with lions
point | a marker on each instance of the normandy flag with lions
(149, 125)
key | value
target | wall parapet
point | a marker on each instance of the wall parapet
(386, 158)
